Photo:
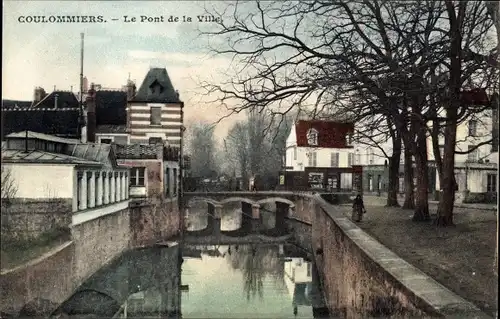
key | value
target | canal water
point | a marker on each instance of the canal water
(248, 280)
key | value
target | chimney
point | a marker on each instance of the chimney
(91, 117)
(38, 95)
(56, 97)
(131, 90)
(85, 85)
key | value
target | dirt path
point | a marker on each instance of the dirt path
(460, 258)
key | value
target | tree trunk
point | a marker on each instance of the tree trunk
(445, 208)
(422, 196)
(392, 194)
(409, 202)
(447, 198)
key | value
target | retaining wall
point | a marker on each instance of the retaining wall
(46, 282)
(361, 277)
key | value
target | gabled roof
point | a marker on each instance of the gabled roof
(111, 107)
(41, 136)
(65, 99)
(10, 104)
(42, 157)
(102, 153)
(157, 88)
(138, 151)
(330, 134)
(60, 122)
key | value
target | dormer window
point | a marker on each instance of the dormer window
(312, 137)
(156, 87)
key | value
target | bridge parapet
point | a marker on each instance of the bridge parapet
(252, 198)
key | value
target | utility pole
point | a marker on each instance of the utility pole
(80, 122)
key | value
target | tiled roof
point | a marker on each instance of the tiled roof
(157, 88)
(115, 129)
(18, 156)
(111, 107)
(138, 151)
(65, 99)
(44, 137)
(60, 122)
(10, 104)
(330, 134)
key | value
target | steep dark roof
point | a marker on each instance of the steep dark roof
(111, 107)
(157, 88)
(115, 129)
(65, 99)
(10, 104)
(60, 122)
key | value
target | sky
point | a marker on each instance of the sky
(48, 54)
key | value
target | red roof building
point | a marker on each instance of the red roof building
(329, 134)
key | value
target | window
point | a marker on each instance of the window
(312, 159)
(491, 183)
(312, 137)
(106, 140)
(167, 181)
(137, 176)
(175, 182)
(371, 156)
(350, 159)
(334, 159)
(473, 155)
(155, 140)
(295, 153)
(155, 116)
(472, 127)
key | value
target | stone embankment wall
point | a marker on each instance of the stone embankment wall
(361, 277)
(28, 219)
(148, 220)
(47, 281)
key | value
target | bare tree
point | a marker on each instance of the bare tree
(257, 145)
(202, 148)
(9, 186)
(311, 55)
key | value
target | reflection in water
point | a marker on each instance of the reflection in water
(245, 281)
(197, 217)
(209, 281)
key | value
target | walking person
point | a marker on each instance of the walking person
(358, 209)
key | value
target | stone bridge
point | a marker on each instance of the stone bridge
(287, 205)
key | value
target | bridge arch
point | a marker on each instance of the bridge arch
(237, 199)
(207, 200)
(276, 199)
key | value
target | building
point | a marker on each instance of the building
(323, 151)
(298, 281)
(45, 167)
(155, 112)
(57, 113)
(475, 172)
(154, 169)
